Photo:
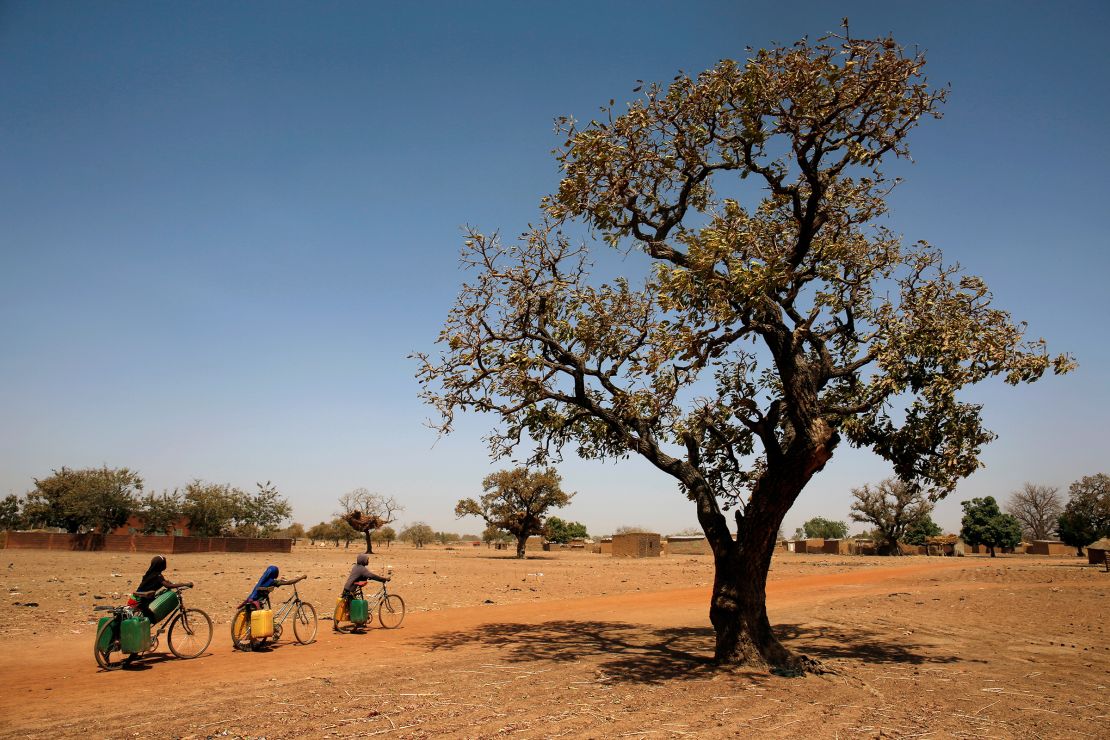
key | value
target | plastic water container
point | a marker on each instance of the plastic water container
(262, 623)
(134, 635)
(359, 611)
(107, 636)
(341, 614)
(163, 605)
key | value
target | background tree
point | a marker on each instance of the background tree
(294, 531)
(319, 532)
(557, 530)
(11, 516)
(516, 502)
(893, 507)
(984, 523)
(213, 509)
(631, 529)
(924, 527)
(367, 512)
(1086, 517)
(386, 534)
(263, 513)
(494, 535)
(159, 512)
(92, 498)
(1038, 508)
(779, 315)
(821, 528)
(342, 530)
(418, 534)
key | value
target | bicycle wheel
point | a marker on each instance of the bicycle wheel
(110, 658)
(190, 633)
(241, 630)
(391, 611)
(304, 623)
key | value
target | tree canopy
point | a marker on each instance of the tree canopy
(778, 318)
(1086, 517)
(1038, 508)
(893, 507)
(984, 523)
(820, 527)
(516, 501)
(87, 499)
(557, 530)
(368, 512)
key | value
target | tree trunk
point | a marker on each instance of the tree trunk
(991, 549)
(369, 543)
(521, 542)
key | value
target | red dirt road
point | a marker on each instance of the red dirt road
(632, 663)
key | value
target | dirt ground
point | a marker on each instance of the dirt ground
(572, 644)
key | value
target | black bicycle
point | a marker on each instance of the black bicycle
(189, 631)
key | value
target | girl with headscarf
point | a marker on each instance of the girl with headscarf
(152, 582)
(265, 584)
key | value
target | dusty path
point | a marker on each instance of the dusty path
(62, 671)
(924, 648)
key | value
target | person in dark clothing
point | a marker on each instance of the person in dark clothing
(152, 582)
(359, 573)
(266, 583)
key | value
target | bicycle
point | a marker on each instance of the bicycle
(189, 631)
(304, 618)
(391, 609)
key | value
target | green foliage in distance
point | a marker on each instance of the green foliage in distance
(984, 523)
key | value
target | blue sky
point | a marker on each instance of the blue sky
(224, 226)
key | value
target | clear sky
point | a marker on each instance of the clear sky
(224, 226)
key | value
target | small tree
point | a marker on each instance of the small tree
(493, 535)
(319, 532)
(893, 507)
(1038, 508)
(563, 532)
(826, 529)
(418, 534)
(368, 512)
(516, 501)
(342, 530)
(1086, 517)
(923, 528)
(93, 498)
(294, 531)
(984, 524)
(159, 512)
(264, 512)
(10, 516)
(213, 509)
(386, 534)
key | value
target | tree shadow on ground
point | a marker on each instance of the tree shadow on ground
(629, 653)
(837, 642)
(639, 654)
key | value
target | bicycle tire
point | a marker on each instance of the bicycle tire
(391, 612)
(304, 623)
(104, 657)
(241, 630)
(190, 633)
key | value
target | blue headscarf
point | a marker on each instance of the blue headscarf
(268, 577)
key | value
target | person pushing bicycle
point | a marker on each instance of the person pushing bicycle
(153, 580)
(359, 574)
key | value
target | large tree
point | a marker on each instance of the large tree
(368, 512)
(1037, 508)
(92, 498)
(893, 507)
(517, 501)
(983, 523)
(159, 512)
(826, 529)
(778, 316)
(1086, 517)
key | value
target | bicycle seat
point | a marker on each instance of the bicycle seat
(360, 584)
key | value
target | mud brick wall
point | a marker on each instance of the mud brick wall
(1049, 547)
(688, 546)
(637, 545)
(140, 543)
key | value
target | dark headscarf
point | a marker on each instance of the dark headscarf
(152, 579)
(268, 577)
